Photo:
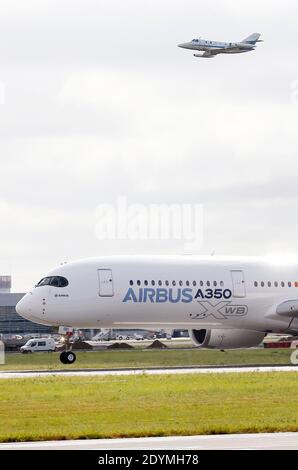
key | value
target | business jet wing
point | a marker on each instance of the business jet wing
(210, 54)
(206, 55)
(214, 52)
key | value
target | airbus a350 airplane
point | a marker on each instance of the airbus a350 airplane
(210, 49)
(223, 302)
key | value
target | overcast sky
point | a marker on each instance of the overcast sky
(98, 102)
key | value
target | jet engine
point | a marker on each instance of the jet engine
(205, 55)
(242, 45)
(226, 339)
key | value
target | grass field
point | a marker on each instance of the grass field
(127, 406)
(149, 358)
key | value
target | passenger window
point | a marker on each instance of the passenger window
(153, 283)
(167, 283)
(187, 283)
(289, 284)
(181, 283)
(262, 284)
(146, 283)
(214, 283)
(194, 283)
(222, 283)
(256, 284)
(208, 283)
(173, 283)
(282, 284)
(41, 343)
(269, 284)
(138, 283)
(276, 284)
(131, 283)
(160, 283)
(201, 283)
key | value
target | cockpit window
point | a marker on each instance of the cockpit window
(55, 281)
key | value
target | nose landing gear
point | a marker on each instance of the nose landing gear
(67, 357)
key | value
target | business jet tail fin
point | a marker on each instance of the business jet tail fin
(252, 39)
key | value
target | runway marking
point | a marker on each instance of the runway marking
(161, 371)
(226, 441)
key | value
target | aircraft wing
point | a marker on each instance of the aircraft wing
(210, 54)
(206, 55)
(214, 52)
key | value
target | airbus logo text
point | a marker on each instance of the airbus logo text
(174, 296)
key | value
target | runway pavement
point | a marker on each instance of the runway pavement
(149, 371)
(279, 441)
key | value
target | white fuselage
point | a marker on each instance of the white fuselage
(165, 292)
(217, 47)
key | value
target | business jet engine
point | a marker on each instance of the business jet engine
(226, 339)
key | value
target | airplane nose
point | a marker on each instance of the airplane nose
(23, 307)
(184, 45)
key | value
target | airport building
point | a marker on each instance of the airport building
(10, 321)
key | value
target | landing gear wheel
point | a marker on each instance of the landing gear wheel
(67, 357)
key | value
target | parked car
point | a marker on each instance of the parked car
(40, 344)
(138, 337)
(122, 337)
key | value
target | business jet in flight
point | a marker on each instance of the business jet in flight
(210, 49)
(223, 302)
